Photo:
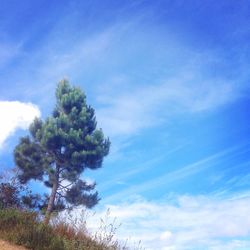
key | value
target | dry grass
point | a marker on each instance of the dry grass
(23, 228)
(75, 229)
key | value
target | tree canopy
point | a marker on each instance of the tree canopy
(61, 147)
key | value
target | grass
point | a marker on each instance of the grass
(24, 228)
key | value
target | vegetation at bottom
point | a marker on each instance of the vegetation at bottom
(25, 228)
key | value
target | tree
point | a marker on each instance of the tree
(60, 148)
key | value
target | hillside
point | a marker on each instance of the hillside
(26, 229)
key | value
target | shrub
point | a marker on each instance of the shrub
(14, 195)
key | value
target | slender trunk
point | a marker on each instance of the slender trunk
(52, 198)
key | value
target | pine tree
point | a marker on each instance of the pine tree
(60, 148)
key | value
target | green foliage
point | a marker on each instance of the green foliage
(77, 194)
(31, 158)
(62, 146)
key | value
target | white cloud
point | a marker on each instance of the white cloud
(15, 115)
(185, 222)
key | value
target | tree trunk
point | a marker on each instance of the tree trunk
(52, 198)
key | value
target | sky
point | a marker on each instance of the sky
(169, 81)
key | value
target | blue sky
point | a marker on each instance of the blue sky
(170, 84)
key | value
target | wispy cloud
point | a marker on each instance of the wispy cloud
(128, 112)
(122, 177)
(53, 62)
(15, 115)
(181, 173)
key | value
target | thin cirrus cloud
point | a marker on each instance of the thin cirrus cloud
(181, 173)
(140, 108)
(16, 115)
(137, 107)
